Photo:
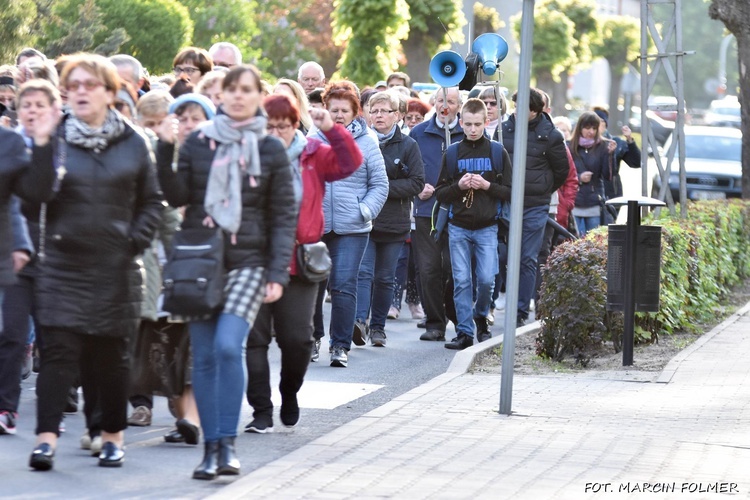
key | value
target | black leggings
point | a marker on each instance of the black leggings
(63, 354)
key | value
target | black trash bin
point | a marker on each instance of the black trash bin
(647, 268)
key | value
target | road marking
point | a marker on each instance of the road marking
(327, 395)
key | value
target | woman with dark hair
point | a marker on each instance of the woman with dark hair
(193, 63)
(593, 161)
(350, 205)
(101, 213)
(231, 174)
(313, 164)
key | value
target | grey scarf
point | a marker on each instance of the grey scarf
(97, 139)
(293, 152)
(237, 153)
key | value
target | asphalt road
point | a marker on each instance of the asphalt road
(330, 398)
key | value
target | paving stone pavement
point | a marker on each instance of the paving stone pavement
(683, 436)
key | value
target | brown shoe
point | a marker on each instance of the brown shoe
(141, 417)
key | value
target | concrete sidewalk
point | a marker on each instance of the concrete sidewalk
(685, 436)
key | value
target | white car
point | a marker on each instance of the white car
(724, 113)
(713, 164)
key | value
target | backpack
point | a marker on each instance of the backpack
(441, 211)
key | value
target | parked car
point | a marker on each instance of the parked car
(724, 113)
(713, 164)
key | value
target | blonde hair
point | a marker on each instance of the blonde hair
(97, 65)
(301, 97)
(209, 79)
(154, 103)
(384, 96)
(38, 85)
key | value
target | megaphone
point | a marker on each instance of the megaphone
(491, 49)
(447, 68)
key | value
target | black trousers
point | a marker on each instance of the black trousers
(291, 318)
(63, 354)
(16, 307)
(435, 275)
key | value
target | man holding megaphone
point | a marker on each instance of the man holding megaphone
(433, 258)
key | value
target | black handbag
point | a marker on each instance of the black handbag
(194, 276)
(313, 262)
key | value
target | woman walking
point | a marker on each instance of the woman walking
(101, 214)
(314, 164)
(232, 175)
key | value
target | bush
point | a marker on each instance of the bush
(702, 257)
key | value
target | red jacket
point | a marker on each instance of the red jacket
(567, 192)
(321, 163)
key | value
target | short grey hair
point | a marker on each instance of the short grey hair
(311, 64)
(228, 46)
(134, 64)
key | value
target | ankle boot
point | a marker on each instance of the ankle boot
(207, 468)
(229, 464)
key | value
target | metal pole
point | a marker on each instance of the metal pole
(631, 238)
(679, 128)
(446, 126)
(723, 65)
(516, 207)
(645, 125)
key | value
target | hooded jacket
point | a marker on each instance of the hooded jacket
(351, 204)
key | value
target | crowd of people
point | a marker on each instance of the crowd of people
(103, 166)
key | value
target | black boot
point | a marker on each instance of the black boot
(207, 468)
(229, 464)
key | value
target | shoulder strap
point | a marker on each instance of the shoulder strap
(497, 156)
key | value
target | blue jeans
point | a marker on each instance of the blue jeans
(376, 281)
(534, 222)
(586, 224)
(482, 245)
(219, 373)
(346, 254)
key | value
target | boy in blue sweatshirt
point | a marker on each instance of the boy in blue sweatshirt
(474, 178)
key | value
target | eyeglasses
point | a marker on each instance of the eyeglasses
(224, 64)
(491, 104)
(89, 85)
(188, 70)
(376, 112)
(281, 127)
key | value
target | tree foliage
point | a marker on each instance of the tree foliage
(553, 47)
(486, 20)
(231, 21)
(81, 32)
(158, 29)
(426, 34)
(16, 18)
(372, 30)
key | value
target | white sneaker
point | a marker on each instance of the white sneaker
(500, 302)
(532, 305)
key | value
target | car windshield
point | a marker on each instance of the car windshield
(711, 147)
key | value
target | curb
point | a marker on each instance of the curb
(668, 372)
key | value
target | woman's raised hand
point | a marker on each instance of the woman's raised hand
(321, 119)
(46, 123)
(167, 129)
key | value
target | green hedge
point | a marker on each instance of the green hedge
(702, 257)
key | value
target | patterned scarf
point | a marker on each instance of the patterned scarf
(586, 143)
(236, 145)
(97, 139)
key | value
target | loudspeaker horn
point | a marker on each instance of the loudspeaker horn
(447, 68)
(491, 49)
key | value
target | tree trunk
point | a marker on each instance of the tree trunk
(560, 98)
(545, 82)
(735, 14)
(417, 58)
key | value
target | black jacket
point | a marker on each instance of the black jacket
(403, 165)
(546, 159)
(484, 208)
(598, 161)
(14, 161)
(269, 214)
(104, 214)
